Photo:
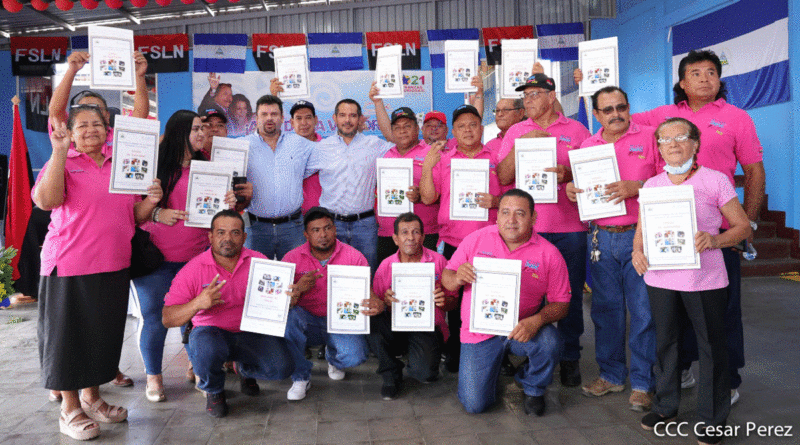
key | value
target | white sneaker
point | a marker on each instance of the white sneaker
(734, 396)
(298, 390)
(335, 373)
(687, 379)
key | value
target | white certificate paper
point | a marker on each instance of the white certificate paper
(599, 62)
(518, 57)
(348, 287)
(460, 64)
(111, 61)
(467, 178)
(593, 168)
(135, 159)
(494, 308)
(669, 223)
(413, 285)
(395, 177)
(389, 71)
(208, 183)
(232, 151)
(291, 68)
(533, 156)
(266, 303)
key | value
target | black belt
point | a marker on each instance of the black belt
(617, 229)
(281, 220)
(354, 216)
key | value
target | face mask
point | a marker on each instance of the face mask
(680, 169)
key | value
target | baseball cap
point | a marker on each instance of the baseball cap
(315, 213)
(438, 115)
(403, 112)
(538, 80)
(302, 104)
(213, 112)
(465, 109)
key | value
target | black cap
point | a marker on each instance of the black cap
(403, 112)
(538, 80)
(465, 109)
(302, 104)
(213, 112)
(315, 213)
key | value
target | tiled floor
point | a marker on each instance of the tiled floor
(351, 411)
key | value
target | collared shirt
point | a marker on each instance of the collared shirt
(197, 274)
(91, 231)
(315, 301)
(347, 172)
(544, 272)
(277, 176)
(428, 213)
(562, 216)
(383, 281)
(638, 160)
(312, 189)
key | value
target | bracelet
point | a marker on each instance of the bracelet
(156, 211)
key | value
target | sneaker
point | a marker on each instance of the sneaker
(534, 405)
(216, 406)
(335, 373)
(298, 390)
(390, 389)
(600, 387)
(570, 373)
(249, 387)
(650, 420)
(640, 401)
(687, 379)
(734, 396)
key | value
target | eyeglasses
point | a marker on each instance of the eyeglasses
(504, 110)
(679, 138)
(621, 108)
(533, 94)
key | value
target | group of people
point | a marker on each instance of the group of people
(310, 201)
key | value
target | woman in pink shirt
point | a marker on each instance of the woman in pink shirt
(85, 260)
(694, 295)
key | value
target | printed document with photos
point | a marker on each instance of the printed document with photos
(494, 308)
(389, 72)
(669, 224)
(266, 304)
(291, 68)
(208, 184)
(593, 168)
(111, 61)
(533, 155)
(599, 62)
(395, 178)
(135, 160)
(518, 58)
(467, 178)
(231, 150)
(413, 285)
(460, 65)
(348, 287)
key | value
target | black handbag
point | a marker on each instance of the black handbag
(145, 256)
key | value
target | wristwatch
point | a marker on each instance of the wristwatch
(753, 225)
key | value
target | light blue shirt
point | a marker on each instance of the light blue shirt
(347, 172)
(277, 177)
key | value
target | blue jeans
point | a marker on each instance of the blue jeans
(258, 356)
(572, 246)
(617, 286)
(149, 292)
(480, 367)
(274, 240)
(305, 329)
(363, 235)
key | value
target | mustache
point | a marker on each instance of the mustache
(616, 119)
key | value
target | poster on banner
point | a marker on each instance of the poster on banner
(599, 62)
(518, 59)
(112, 66)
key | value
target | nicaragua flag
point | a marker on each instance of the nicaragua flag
(437, 37)
(559, 41)
(219, 53)
(339, 51)
(751, 38)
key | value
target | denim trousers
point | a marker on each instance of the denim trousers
(274, 240)
(363, 236)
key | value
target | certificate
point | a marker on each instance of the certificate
(533, 155)
(111, 61)
(266, 303)
(135, 161)
(208, 183)
(669, 223)
(348, 287)
(494, 308)
(599, 62)
(291, 68)
(460, 64)
(518, 58)
(593, 169)
(467, 178)
(413, 285)
(232, 151)
(389, 72)
(395, 177)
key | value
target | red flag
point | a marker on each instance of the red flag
(493, 36)
(263, 44)
(409, 40)
(19, 191)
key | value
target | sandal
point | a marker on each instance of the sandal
(78, 429)
(112, 414)
(122, 380)
(54, 396)
(155, 395)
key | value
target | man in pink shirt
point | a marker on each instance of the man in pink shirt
(507, 113)
(617, 285)
(543, 273)
(210, 291)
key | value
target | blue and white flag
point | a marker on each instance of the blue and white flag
(219, 53)
(751, 38)
(559, 41)
(339, 51)
(437, 37)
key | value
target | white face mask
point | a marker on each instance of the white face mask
(681, 169)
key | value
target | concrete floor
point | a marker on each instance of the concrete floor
(351, 411)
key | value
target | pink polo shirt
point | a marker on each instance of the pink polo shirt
(178, 243)
(91, 231)
(197, 274)
(427, 213)
(638, 160)
(544, 272)
(312, 189)
(452, 232)
(315, 300)
(712, 191)
(383, 281)
(494, 147)
(562, 216)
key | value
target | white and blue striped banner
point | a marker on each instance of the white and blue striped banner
(559, 41)
(219, 53)
(339, 51)
(751, 38)
(437, 37)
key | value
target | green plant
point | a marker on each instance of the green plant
(6, 271)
